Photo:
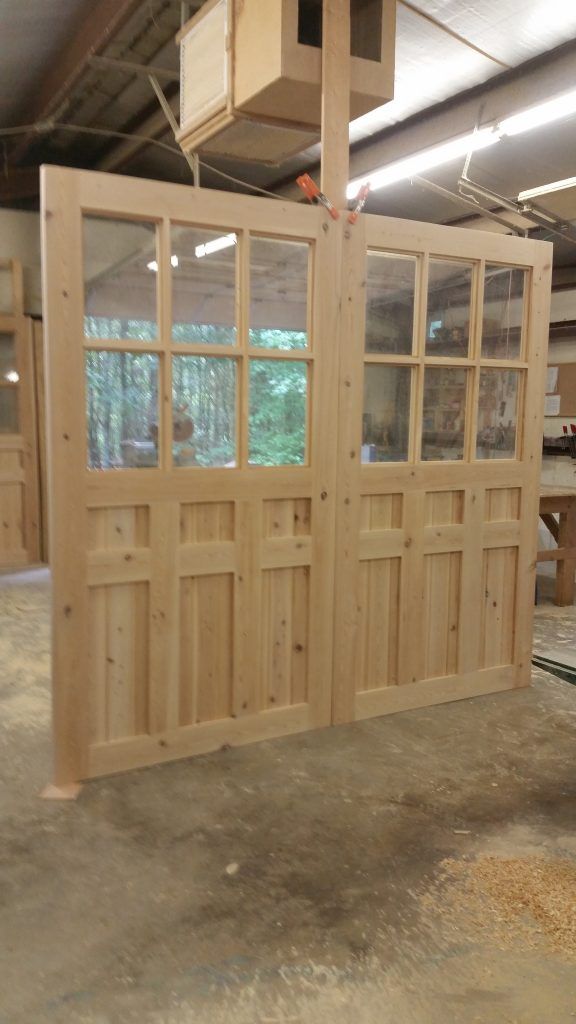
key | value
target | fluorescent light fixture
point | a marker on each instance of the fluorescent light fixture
(401, 170)
(153, 265)
(544, 113)
(224, 242)
(544, 190)
(12, 376)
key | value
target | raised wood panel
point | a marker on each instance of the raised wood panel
(206, 650)
(381, 512)
(12, 523)
(118, 663)
(442, 589)
(285, 636)
(287, 518)
(205, 521)
(111, 528)
(502, 504)
(498, 622)
(444, 507)
(378, 610)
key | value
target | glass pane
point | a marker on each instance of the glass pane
(6, 297)
(448, 315)
(9, 410)
(8, 370)
(120, 270)
(203, 286)
(497, 414)
(390, 285)
(278, 293)
(503, 312)
(277, 423)
(122, 410)
(204, 411)
(444, 413)
(386, 418)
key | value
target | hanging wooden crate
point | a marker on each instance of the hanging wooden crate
(251, 74)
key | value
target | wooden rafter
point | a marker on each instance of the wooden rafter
(95, 31)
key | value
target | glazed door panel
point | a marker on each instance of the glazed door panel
(440, 419)
(192, 516)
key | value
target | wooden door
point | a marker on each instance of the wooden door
(19, 512)
(441, 404)
(293, 465)
(192, 385)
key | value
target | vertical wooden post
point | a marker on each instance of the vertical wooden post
(335, 100)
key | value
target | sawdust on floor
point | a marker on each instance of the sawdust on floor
(526, 901)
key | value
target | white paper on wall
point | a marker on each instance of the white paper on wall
(552, 405)
(552, 379)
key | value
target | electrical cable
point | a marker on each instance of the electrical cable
(45, 127)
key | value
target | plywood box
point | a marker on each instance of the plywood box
(251, 74)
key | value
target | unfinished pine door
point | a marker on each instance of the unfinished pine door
(441, 403)
(191, 371)
(19, 512)
(293, 465)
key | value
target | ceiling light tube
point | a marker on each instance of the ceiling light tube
(544, 190)
(224, 242)
(153, 265)
(544, 113)
(409, 167)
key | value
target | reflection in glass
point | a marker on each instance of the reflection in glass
(120, 271)
(122, 410)
(390, 286)
(444, 413)
(204, 411)
(448, 313)
(278, 293)
(497, 414)
(503, 312)
(8, 359)
(9, 421)
(203, 286)
(386, 418)
(277, 416)
(8, 409)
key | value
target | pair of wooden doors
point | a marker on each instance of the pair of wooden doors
(294, 465)
(19, 470)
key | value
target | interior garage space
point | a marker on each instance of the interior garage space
(287, 512)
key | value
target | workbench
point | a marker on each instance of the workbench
(561, 501)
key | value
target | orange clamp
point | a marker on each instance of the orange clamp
(313, 193)
(360, 203)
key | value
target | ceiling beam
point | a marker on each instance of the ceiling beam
(153, 126)
(96, 30)
(113, 64)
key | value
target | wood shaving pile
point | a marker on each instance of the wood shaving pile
(528, 901)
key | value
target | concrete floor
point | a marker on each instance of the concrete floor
(120, 908)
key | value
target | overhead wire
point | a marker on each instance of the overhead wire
(46, 127)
